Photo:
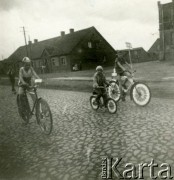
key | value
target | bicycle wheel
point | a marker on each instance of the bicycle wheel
(44, 116)
(114, 91)
(141, 94)
(94, 103)
(111, 106)
(23, 107)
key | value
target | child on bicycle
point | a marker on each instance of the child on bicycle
(99, 81)
(121, 71)
(25, 76)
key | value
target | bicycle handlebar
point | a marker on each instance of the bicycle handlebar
(130, 71)
(34, 87)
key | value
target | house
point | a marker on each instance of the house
(4, 66)
(84, 49)
(137, 55)
(154, 50)
(166, 30)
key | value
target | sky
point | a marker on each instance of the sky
(119, 21)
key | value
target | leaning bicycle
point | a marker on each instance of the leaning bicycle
(139, 92)
(40, 108)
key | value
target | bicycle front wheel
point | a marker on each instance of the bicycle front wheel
(23, 107)
(44, 116)
(141, 94)
(111, 106)
(94, 104)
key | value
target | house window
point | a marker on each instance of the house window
(63, 61)
(53, 61)
(90, 44)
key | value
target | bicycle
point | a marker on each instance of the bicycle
(40, 106)
(110, 104)
(139, 92)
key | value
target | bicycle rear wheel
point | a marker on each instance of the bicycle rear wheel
(23, 107)
(44, 116)
(114, 91)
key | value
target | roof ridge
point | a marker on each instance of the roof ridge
(60, 36)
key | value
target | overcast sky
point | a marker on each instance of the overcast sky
(119, 21)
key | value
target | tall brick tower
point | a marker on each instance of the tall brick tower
(166, 30)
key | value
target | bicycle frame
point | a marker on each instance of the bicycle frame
(100, 102)
(36, 100)
(131, 83)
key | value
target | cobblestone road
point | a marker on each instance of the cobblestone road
(82, 137)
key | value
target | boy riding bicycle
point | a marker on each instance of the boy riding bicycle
(99, 81)
(25, 76)
(122, 73)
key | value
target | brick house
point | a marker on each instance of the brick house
(166, 30)
(137, 55)
(84, 48)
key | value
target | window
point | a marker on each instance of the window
(90, 44)
(53, 61)
(63, 61)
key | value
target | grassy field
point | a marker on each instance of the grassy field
(154, 70)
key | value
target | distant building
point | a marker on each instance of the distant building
(154, 50)
(137, 55)
(77, 50)
(166, 30)
(4, 65)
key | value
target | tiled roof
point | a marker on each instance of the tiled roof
(60, 45)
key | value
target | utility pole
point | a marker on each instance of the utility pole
(30, 47)
(129, 46)
(25, 40)
(163, 35)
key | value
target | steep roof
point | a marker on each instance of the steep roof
(154, 46)
(60, 45)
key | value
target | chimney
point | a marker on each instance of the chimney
(71, 30)
(29, 42)
(35, 40)
(62, 33)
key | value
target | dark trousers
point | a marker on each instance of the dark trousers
(101, 93)
(12, 80)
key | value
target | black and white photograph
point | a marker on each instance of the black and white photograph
(86, 89)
